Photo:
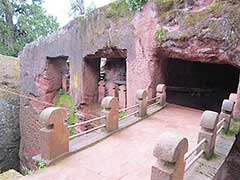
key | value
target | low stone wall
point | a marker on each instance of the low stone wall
(9, 114)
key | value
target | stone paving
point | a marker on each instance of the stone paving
(128, 154)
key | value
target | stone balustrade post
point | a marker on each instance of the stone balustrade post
(111, 111)
(161, 93)
(142, 102)
(54, 140)
(226, 112)
(233, 97)
(170, 153)
(208, 131)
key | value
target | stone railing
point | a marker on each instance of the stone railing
(173, 157)
(55, 135)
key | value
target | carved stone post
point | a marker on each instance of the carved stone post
(111, 111)
(142, 102)
(233, 97)
(170, 153)
(54, 140)
(226, 112)
(208, 131)
(122, 96)
(161, 93)
(101, 90)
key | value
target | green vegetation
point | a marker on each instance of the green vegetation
(135, 4)
(117, 9)
(26, 172)
(214, 156)
(161, 34)
(122, 114)
(234, 128)
(41, 165)
(201, 16)
(65, 100)
(22, 22)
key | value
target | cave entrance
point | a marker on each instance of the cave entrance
(200, 85)
(105, 73)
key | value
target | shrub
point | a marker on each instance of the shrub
(135, 4)
(65, 100)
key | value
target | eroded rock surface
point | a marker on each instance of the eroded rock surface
(9, 113)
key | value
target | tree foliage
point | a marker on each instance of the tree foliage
(22, 22)
(77, 8)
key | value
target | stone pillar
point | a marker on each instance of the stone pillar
(142, 102)
(54, 140)
(122, 96)
(111, 87)
(170, 153)
(101, 90)
(236, 112)
(208, 131)
(233, 97)
(226, 112)
(161, 93)
(111, 111)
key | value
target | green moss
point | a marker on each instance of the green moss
(197, 17)
(161, 34)
(117, 9)
(65, 100)
(214, 156)
(234, 128)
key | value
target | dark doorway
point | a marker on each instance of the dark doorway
(106, 71)
(200, 85)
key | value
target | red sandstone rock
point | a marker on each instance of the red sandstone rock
(131, 35)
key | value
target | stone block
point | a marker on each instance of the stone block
(208, 130)
(161, 88)
(122, 96)
(141, 96)
(54, 136)
(111, 88)
(101, 90)
(110, 107)
(170, 153)
(209, 120)
(227, 121)
(227, 106)
(161, 93)
(233, 97)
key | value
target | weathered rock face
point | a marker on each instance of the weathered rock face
(146, 39)
(210, 34)
(9, 114)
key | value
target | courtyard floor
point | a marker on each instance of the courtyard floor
(128, 154)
